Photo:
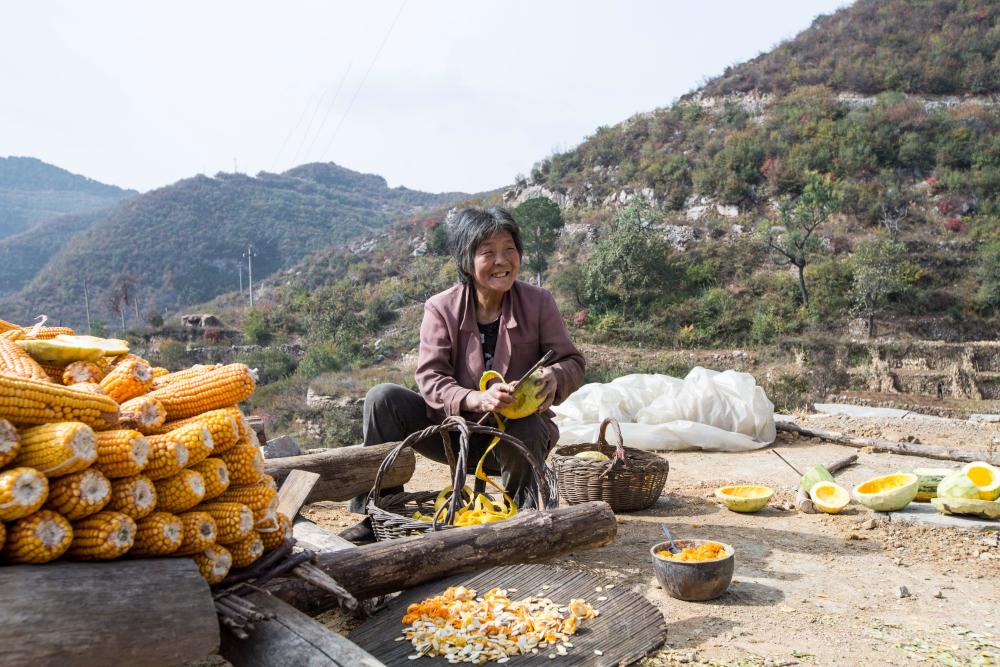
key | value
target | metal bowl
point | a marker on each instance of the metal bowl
(693, 581)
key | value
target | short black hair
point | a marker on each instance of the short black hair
(472, 226)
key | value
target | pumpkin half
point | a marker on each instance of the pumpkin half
(985, 477)
(749, 498)
(889, 492)
(829, 497)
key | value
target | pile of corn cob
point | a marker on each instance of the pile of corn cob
(116, 458)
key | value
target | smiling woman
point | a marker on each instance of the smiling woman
(489, 321)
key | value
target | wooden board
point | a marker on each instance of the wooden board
(628, 628)
(294, 491)
(310, 536)
(132, 612)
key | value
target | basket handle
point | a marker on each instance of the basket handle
(616, 429)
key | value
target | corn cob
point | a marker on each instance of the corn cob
(127, 380)
(15, 360)
(89, 387)
(22, 492)
(260, 498)
(219, 388)
(10, 442)
(53, 372)
(159, 534)
(234, 521)
(6, 326)
(3, 536)
(214, 563)
(270, 481)
(244, 463)
(37, 538)
(25, 401)
(180, 492)
(57, 449)
(82, 371)
(247, 551)
(134, 496)
(13, 334)
(199, 532)
(102, 536)
(121, 453)
(160, 371)
(273, 539)
(47, 333)
(142, 413)
(187, 374)
(221, 424)
(195, 437)
(79, 495)
(166, 457)
(215, 474)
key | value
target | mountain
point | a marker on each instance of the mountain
(184, 243)
(32, 192)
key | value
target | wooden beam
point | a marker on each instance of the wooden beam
(294, 491)
(146, 612)
(310, 536)
(345, 472)
(891, 446)
(291, 638)
(386, 567)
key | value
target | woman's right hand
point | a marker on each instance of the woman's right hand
(497, 396)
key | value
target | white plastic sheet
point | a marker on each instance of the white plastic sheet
(708, 410)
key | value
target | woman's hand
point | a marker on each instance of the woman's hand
(497, 396)
(548, 391)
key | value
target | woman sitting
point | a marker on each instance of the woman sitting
(489, 321)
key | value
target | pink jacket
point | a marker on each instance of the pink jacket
(451, 355)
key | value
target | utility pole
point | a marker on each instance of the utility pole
(240, 265)
(250, 254)
(86, 303)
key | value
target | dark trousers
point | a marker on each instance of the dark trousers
(393, 412)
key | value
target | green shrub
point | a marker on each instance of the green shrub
(173, 355)
(320, 358)
(789, 392)
(271, 363)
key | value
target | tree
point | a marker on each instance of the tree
(794, 241)
(120, 294)
(880, 272)
(540, 221)
(988, 272)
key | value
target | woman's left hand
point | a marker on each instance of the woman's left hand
(548, 391)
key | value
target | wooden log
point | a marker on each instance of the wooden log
(891, 446)
(803, 502)
(135, 612)
(291, 638)
(294, 491)
(345, 471)
(310, 536)
(386, 567)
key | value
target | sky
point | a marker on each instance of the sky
(434, 95)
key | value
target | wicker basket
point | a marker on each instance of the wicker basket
(391, 515)
(631, 480)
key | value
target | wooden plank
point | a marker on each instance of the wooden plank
(386, 567)
(294, 491)
(345, 472)
(291, 638)
(310, 536)
(146, 612)
(891, 446)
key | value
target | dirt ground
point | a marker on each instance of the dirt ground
(808, 589)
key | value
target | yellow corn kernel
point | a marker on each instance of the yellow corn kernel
(15, 360)
(234, 521)
(244, 463)
(180, 492)
(48, 333)
(79, 495)
(57, 449)
(22, 492)
(215, 474)
(199, 532)
(129, 379)
(10, 326)
(166, 457)
(246, 552)
(121, 453)
(102, 536)
(37, 538)
(218, 388)
(10, 442)
(89, 387)
(270, 481)
(26, 401)
(142, 413)
(195, 437)
(260, 498)
(221, 424)
(160, 371)
(162, 380)
(134, 496)
(159, 534)
(214, 563)
(274, 538)
(83, 371)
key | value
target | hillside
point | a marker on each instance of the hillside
(183, 243)
(32, 192)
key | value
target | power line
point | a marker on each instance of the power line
(330, 108)
(350, 105)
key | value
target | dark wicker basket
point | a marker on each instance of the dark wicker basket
(631, 480)
(391, 515)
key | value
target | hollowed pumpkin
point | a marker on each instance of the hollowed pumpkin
(889, 492)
